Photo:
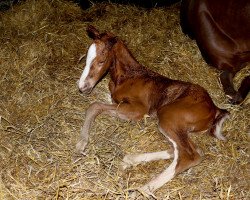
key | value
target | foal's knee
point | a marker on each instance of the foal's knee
(94, 107)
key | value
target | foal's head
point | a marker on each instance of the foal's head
(98, 59)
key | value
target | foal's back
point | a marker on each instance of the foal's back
(157, 90)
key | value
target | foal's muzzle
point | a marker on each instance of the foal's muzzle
(86, 88)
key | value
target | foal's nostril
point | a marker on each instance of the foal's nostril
(86, 88)
(80, 90)
(83, 89)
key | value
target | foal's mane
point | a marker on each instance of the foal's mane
(130, 64)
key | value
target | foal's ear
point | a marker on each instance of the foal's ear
(111, 42)
(93, 33)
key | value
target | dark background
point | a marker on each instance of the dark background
(85, 4)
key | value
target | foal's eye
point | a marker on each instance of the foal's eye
(102, 62)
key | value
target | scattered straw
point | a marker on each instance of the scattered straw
(41, 110)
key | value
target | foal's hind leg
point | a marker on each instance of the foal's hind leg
(184, 158)
(175, 122)
(135, 159)
(133, 111)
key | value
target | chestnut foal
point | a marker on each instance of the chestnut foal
(180, 107)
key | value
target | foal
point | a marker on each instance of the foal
(180, 107)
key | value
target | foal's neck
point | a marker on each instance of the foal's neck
(124, 64)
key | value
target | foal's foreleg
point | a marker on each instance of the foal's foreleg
(133, 111)
(91, 113)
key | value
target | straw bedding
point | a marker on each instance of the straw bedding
(41, 110)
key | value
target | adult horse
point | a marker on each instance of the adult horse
(180, 107)
(221, 29)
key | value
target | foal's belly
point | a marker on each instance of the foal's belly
(137, 90)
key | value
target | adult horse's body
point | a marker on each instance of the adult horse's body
(221, 29)
(180, 107)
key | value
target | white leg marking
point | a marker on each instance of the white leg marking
(90, 57)
(217, 132)
(135, 159)
(165, 176)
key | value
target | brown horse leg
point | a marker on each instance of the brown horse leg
(226, 78)
(245, 87)
(133, 111)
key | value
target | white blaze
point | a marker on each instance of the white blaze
(90, 57)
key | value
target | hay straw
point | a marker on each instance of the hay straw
(41, 110)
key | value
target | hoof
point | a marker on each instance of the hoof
(128, 161)
(80, 147)
(125, 163)
(235, 99)
(141, 194)
(145, 190)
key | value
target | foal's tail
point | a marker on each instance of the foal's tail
(221, 116)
